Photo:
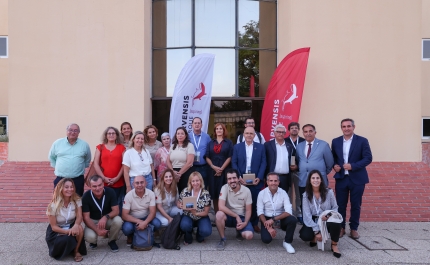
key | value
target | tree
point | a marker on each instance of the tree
(248, 58)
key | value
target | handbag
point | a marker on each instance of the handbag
(92, 171)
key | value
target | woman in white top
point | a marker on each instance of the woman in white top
(317, 199)
(166, 196)
(65, 234)
(181, 157)
(137, 162)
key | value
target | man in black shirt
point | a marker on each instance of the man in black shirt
(100, 213)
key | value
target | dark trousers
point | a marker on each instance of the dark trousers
(307, 233)
(183, 181)
(203, 170)
(288, 225)
(285, 182)
(344, 189)
(78, 181)
(254, 194)
(301, 191)
(120, 194)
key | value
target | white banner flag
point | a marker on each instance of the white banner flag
(192, 94)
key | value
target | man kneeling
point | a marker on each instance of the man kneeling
(138, 210)
(235, 207)
(273, 206)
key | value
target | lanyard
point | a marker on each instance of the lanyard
(273, 202)
(318, 209)
(98, 206)
(296, 143)
(195, 142)
(68, 214)
(198, 196)
(165, 150)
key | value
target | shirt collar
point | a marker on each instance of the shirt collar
(137, 196)
(350, 139)
(250, 144)
(276, 142)
(231, 190)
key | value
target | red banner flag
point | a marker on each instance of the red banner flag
(284, 94)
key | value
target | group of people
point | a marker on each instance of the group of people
(141, 183)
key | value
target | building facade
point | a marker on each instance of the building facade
(101, 62)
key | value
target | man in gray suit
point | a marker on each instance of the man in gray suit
(312, 154)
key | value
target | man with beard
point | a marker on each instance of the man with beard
(100, 212)
(235, 207)
(273, 206)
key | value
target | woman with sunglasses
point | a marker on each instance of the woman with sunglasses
(64, 234)
(166, 196)
(137, 161)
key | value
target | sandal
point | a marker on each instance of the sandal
(185, 243)
(78, 257)
(336, 254)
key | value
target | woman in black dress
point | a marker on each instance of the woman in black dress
(65, 234)
(218, 156)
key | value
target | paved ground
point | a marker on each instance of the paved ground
(380, 243)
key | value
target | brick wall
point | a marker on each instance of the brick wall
(3, 151)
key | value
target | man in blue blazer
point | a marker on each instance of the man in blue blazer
(250, 156)
(278, 154)
(352, 155)
(312, 154)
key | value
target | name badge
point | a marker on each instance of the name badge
(197, 157)
(65, 226)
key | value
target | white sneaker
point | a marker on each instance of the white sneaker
(289, 248)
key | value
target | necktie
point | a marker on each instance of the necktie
(309, 150)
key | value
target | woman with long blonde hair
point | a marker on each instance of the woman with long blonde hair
(166, 196)
(64, 234)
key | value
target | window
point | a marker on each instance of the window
(3, 125)
(244, 45)
(426, 50)
(426, 128)
(3, 47)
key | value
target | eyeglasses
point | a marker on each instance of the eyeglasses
(250, 123)
(280, 132)
(111, 133)
(73, 131)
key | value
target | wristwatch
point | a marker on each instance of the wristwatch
(107, 216)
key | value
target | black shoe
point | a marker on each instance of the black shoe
(113, 246)
(336, 254)
(93, 246)
(312, 244)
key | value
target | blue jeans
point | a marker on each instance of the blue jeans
(149, 181)
(204, 228)
(128, 228)
(120, 194)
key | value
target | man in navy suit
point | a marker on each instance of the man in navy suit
(351, 154)
(250, 157)
(278, 154)
(312, 154)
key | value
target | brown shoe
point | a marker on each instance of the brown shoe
(257, 229)
(129, 240)
(354, 234)
(342, 232)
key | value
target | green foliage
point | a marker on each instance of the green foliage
(4, 138)
(249, 59)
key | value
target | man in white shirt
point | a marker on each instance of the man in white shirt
(259, 138)
(273, 208)
(235, 207)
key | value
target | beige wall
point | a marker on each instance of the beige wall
(364, 64)
(89, 62)
(4, 97)
(425, 70)
(76, 61)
